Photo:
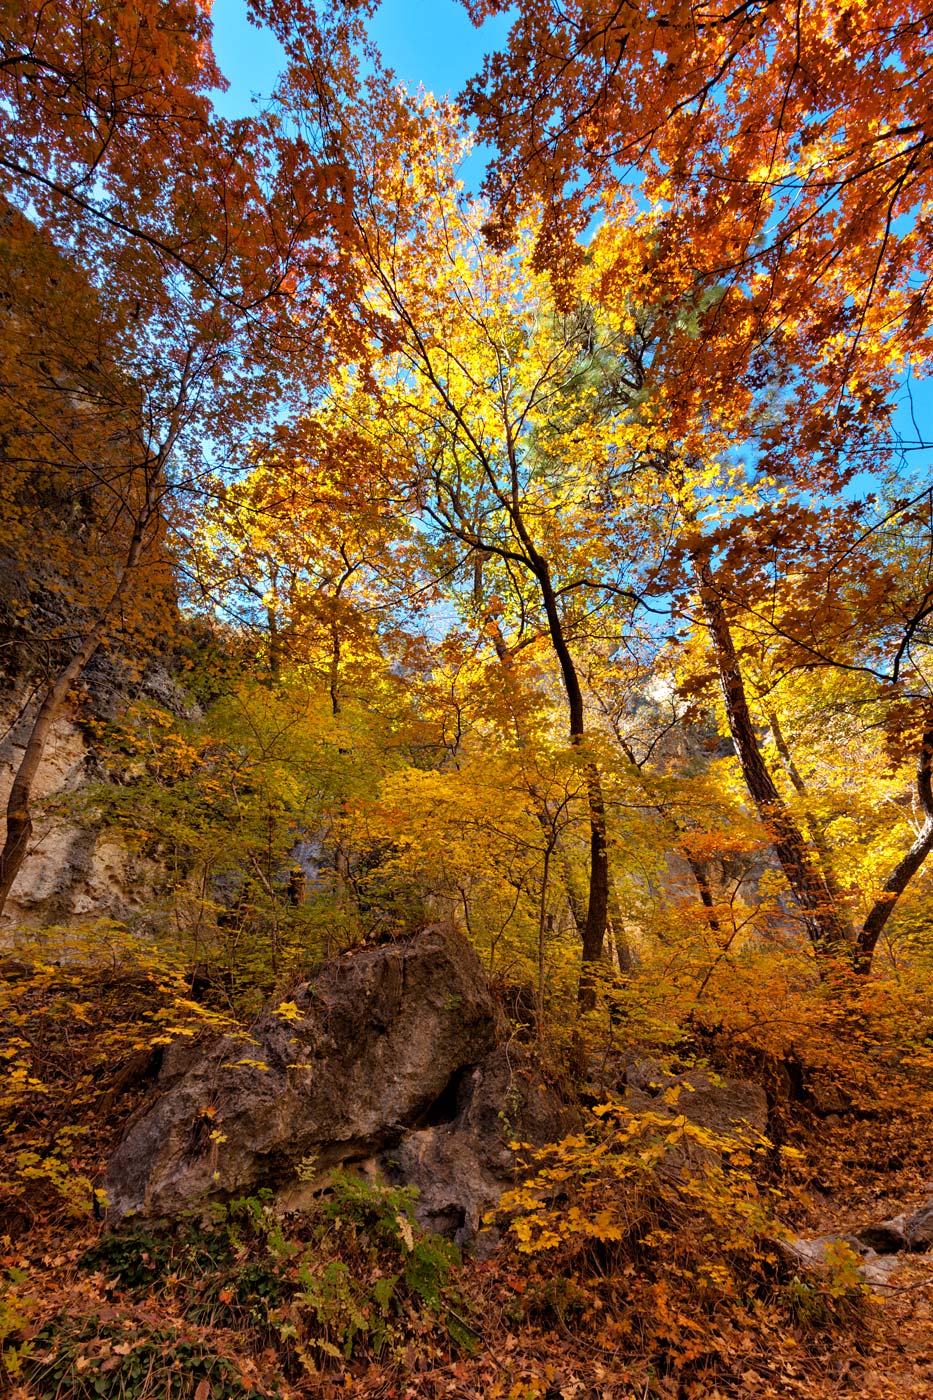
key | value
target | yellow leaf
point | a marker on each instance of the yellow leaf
(288, 1011)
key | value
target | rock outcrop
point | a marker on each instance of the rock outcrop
(876, 1246)
(66, 872)
(911, 1231)
(392, 1059)
(725, 1105)
(461, 1167)
(74, 868)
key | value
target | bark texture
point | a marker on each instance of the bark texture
(907, 867)
(821, 917)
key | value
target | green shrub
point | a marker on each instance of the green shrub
(352, 1275)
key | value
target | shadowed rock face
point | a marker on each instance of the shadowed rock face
(727, 1106)
(381, 1035)
(461, 1167)
(911, 1231)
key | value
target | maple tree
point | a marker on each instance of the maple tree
(786, 143)
(472, 366)
(568, 450)
(111, 136)
(184, 228)
(781, 160)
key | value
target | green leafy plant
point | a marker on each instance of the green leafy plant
(350, 1276)
(399, 1268)
(833, 1297)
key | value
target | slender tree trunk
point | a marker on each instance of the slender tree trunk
(597, 909)
(814, 825)
(19, 803)
(334, 677)
(617, 928)
(592, 924)
(623, 959)
(907, 867)
(705, 893)
(824, 926)
(544, 923)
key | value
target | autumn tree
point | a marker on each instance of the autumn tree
(786, 144)
(781, 163)
(835, 602)
(305, 554)
(84, 539)
(471, 363)
(185, 229)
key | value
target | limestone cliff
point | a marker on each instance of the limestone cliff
(75, 868)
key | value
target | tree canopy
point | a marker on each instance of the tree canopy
(553, 563)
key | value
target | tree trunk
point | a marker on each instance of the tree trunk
(592, 925)
(334, 676)
(907, 867)
(624, 954)
(19, 803)
(825, 928)
(597, 909)
(705, 892)
(814, 825)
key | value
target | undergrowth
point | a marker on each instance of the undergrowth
(653, 1230)
(641, 1255)
(352, 1277)
(85, 1015)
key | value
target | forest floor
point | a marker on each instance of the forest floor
(631, 1267)
(628, 1333)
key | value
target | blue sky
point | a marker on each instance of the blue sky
(429, 42)
(249, 58)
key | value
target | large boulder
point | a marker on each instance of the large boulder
(372, 1049)
(462, 1166)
